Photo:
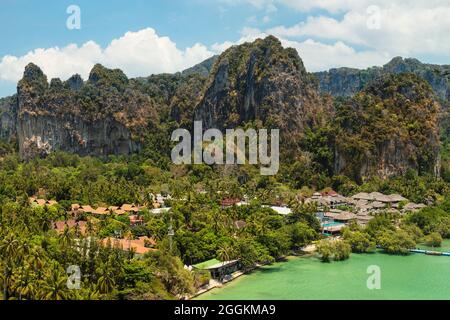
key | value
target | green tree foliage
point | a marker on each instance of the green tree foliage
(336, 250)
(396, 242)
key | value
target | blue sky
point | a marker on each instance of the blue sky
(175, 34)
(42, 23)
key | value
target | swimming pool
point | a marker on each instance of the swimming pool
(332, 224)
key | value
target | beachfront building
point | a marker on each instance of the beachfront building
(219, 270)
(335, 220)
(335, 211)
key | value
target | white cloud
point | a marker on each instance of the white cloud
(317, 56)
(138, 53)
(403, 30)
(407, 27)
(335, 6)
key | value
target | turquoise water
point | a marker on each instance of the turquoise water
(402, 277)
(332, 224)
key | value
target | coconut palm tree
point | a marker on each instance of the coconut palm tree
(9, 250)
(106, 282)
(54, 285)
(225, 252)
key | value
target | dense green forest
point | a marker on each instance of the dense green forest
(390, 137)
(35, 257)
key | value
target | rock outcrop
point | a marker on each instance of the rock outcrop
(100, 117)
(263, 83)
(388, 122)
(390, 127)
(8, 118)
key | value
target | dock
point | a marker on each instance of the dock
(430, 252)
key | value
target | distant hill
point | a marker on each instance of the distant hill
(203, 68)
(347, 82)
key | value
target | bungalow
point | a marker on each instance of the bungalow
(129, 208)
(330, 193)
(73, 224)
(362, 196)
(333, 229)
(140, 246)
(101, 211)
(136, 220)
(364, 219)
(329, 199)
(396, 198)
(344, 217)
(86, 209)
(41, 202)
(413, 207)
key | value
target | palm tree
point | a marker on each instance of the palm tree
(54, 286)
(65, 238)
(225, 252)
(106, 282)
(23, 282)
(9, 249)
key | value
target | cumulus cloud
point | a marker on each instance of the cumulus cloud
(402, 30)
(409, 27)
(317, 56)
(138, 53)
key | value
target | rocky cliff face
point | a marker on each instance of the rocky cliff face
(390, 127)
(8, 118)
(100, 117)
(383, 130)
(264, 83)
(347, 82)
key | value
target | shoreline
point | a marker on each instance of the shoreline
(306, 254)
(239, 274)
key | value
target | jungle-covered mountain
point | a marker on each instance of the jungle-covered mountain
(386, 121)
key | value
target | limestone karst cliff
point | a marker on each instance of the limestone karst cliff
(386, 125)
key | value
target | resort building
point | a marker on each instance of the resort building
(327, 200)
(136, 220)
(229, 202)
(284, 211)
(159, 200)
(41, 202)
(140, 246)
(72, 224)
(220, 270)
(100, 211)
